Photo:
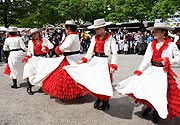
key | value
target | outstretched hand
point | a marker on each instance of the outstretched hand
(45, 49)
(25, 59)
(137, 72)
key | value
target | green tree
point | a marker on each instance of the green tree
(40, 13)
(164, 8)
(36, 13)
(125, 10)
(11, 10)
(82, 10)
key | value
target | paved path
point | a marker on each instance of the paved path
(19, 108)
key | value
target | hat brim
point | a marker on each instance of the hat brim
(70, 24)
(34, 32)
(153, 28)
(95, 27)
(10, 31)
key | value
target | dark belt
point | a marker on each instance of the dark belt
(17, 50)
(158, 64)
(71, 53)
(41, 55)
(100, 54)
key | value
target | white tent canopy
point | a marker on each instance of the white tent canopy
(2, 28)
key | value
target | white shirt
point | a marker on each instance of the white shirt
(14, 43)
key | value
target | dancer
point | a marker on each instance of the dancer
(38, 48)
(56, 82)
(96, 72)
(154, 84)
(17, 49)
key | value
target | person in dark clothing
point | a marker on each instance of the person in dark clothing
(177, 32)
(54, 40)
(142, 48)
(1, 46)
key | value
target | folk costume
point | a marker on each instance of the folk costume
(55, 80)
(94, 74)
(33, 55)
(154, 83)
(17, 49)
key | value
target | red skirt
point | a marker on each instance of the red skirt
(173, 98)
(60, 85)
(7, 70)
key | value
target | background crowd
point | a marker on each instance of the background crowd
(127, 42)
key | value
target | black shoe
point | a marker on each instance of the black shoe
(104, 106)
(156, 117)
(40, 90)
(14, 84)
(146, 111)
(96, 104)
(29, 91)
(29, 88)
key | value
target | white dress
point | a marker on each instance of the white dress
(15, 57)
(152, 85)
(94, 75)
(46, 66)
(31, 66)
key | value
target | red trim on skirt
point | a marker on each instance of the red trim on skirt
(7, 70)
(173, 98)
(99, 96)
(60, 85)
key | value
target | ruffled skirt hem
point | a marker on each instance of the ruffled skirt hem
(173, 97)
(60, 85)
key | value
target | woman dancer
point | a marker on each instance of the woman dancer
(154, 84)
(17, 49)
(38, 48)
(56, 82)
(96, 72)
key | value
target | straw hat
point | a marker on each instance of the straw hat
(34, 30)
(12, 29)
(99, 23)
(70, 22)
(163, 25)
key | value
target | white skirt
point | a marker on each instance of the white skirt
(30, 68)
(150, 86)
(46, 66)
(94, 75)
(15, 64)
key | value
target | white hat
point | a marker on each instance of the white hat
(70, 22)
(163, 25)
(12, 29)
(34, 30)
(99, 23)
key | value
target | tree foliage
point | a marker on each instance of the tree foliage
(36, 13)
(11, 10)
(163, 8)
